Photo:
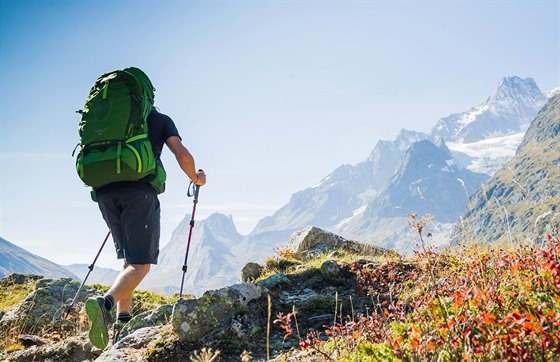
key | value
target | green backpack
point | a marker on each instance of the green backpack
(114, 143)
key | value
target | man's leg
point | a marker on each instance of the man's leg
(98, 309)
(126, 283)
(132, 215)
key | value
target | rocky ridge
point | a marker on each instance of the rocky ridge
(233, 320)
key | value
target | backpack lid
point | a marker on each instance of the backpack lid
(138, 73)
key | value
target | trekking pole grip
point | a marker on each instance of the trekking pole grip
(195, 189)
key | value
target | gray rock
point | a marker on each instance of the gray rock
(29, 340)
(251, 271)
(274, 281)
(45, 306)
(330, 269)
(194, 318)
(74, 348)
(312, 241)
(157, 317)
(16, 278)
(132, 348)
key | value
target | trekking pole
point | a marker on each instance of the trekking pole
(196, 188)
(69, 308)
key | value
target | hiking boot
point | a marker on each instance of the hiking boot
(100, 317)
(117, 328)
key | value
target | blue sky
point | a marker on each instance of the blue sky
(269, 96)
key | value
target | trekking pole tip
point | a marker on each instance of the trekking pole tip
(67, 309)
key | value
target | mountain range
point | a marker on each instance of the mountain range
(14, 259)
(211, 259)
(369, 201)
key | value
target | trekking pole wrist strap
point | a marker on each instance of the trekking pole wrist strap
(192, 190)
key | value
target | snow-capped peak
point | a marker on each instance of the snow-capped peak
(509, 110)
(551, 93)
(515, 92)
(406, 137)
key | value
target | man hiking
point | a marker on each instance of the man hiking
(131, 209)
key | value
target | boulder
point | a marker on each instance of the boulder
(45, 306)
(16, 278)
(156, 317)
(274, 281)
(251, 271)
(312, 241)
(135, 346)
(194, 318)
(330, 269)
(73, 348)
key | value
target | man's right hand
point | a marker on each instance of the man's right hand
(200, 178)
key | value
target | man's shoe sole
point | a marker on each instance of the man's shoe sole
(98, 334)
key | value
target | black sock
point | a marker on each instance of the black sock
(109, 301)
(124, 317)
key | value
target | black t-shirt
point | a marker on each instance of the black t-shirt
(160, 128)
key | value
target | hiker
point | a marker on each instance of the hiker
(131, 209)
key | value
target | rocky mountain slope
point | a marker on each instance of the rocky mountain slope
(427, 182)
(210, 263)
(324, 298)
(521, 200)
(232, 319)
(14, 259)
(433, 180)
(510, 109)
(340, 194)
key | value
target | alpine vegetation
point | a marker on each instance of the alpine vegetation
(319, 298)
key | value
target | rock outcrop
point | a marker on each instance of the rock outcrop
(46, 306)
(234, 320)
(194, 318)
(312, 241)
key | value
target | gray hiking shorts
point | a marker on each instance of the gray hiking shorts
(133, 215)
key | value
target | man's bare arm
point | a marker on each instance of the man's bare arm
(185, 160)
